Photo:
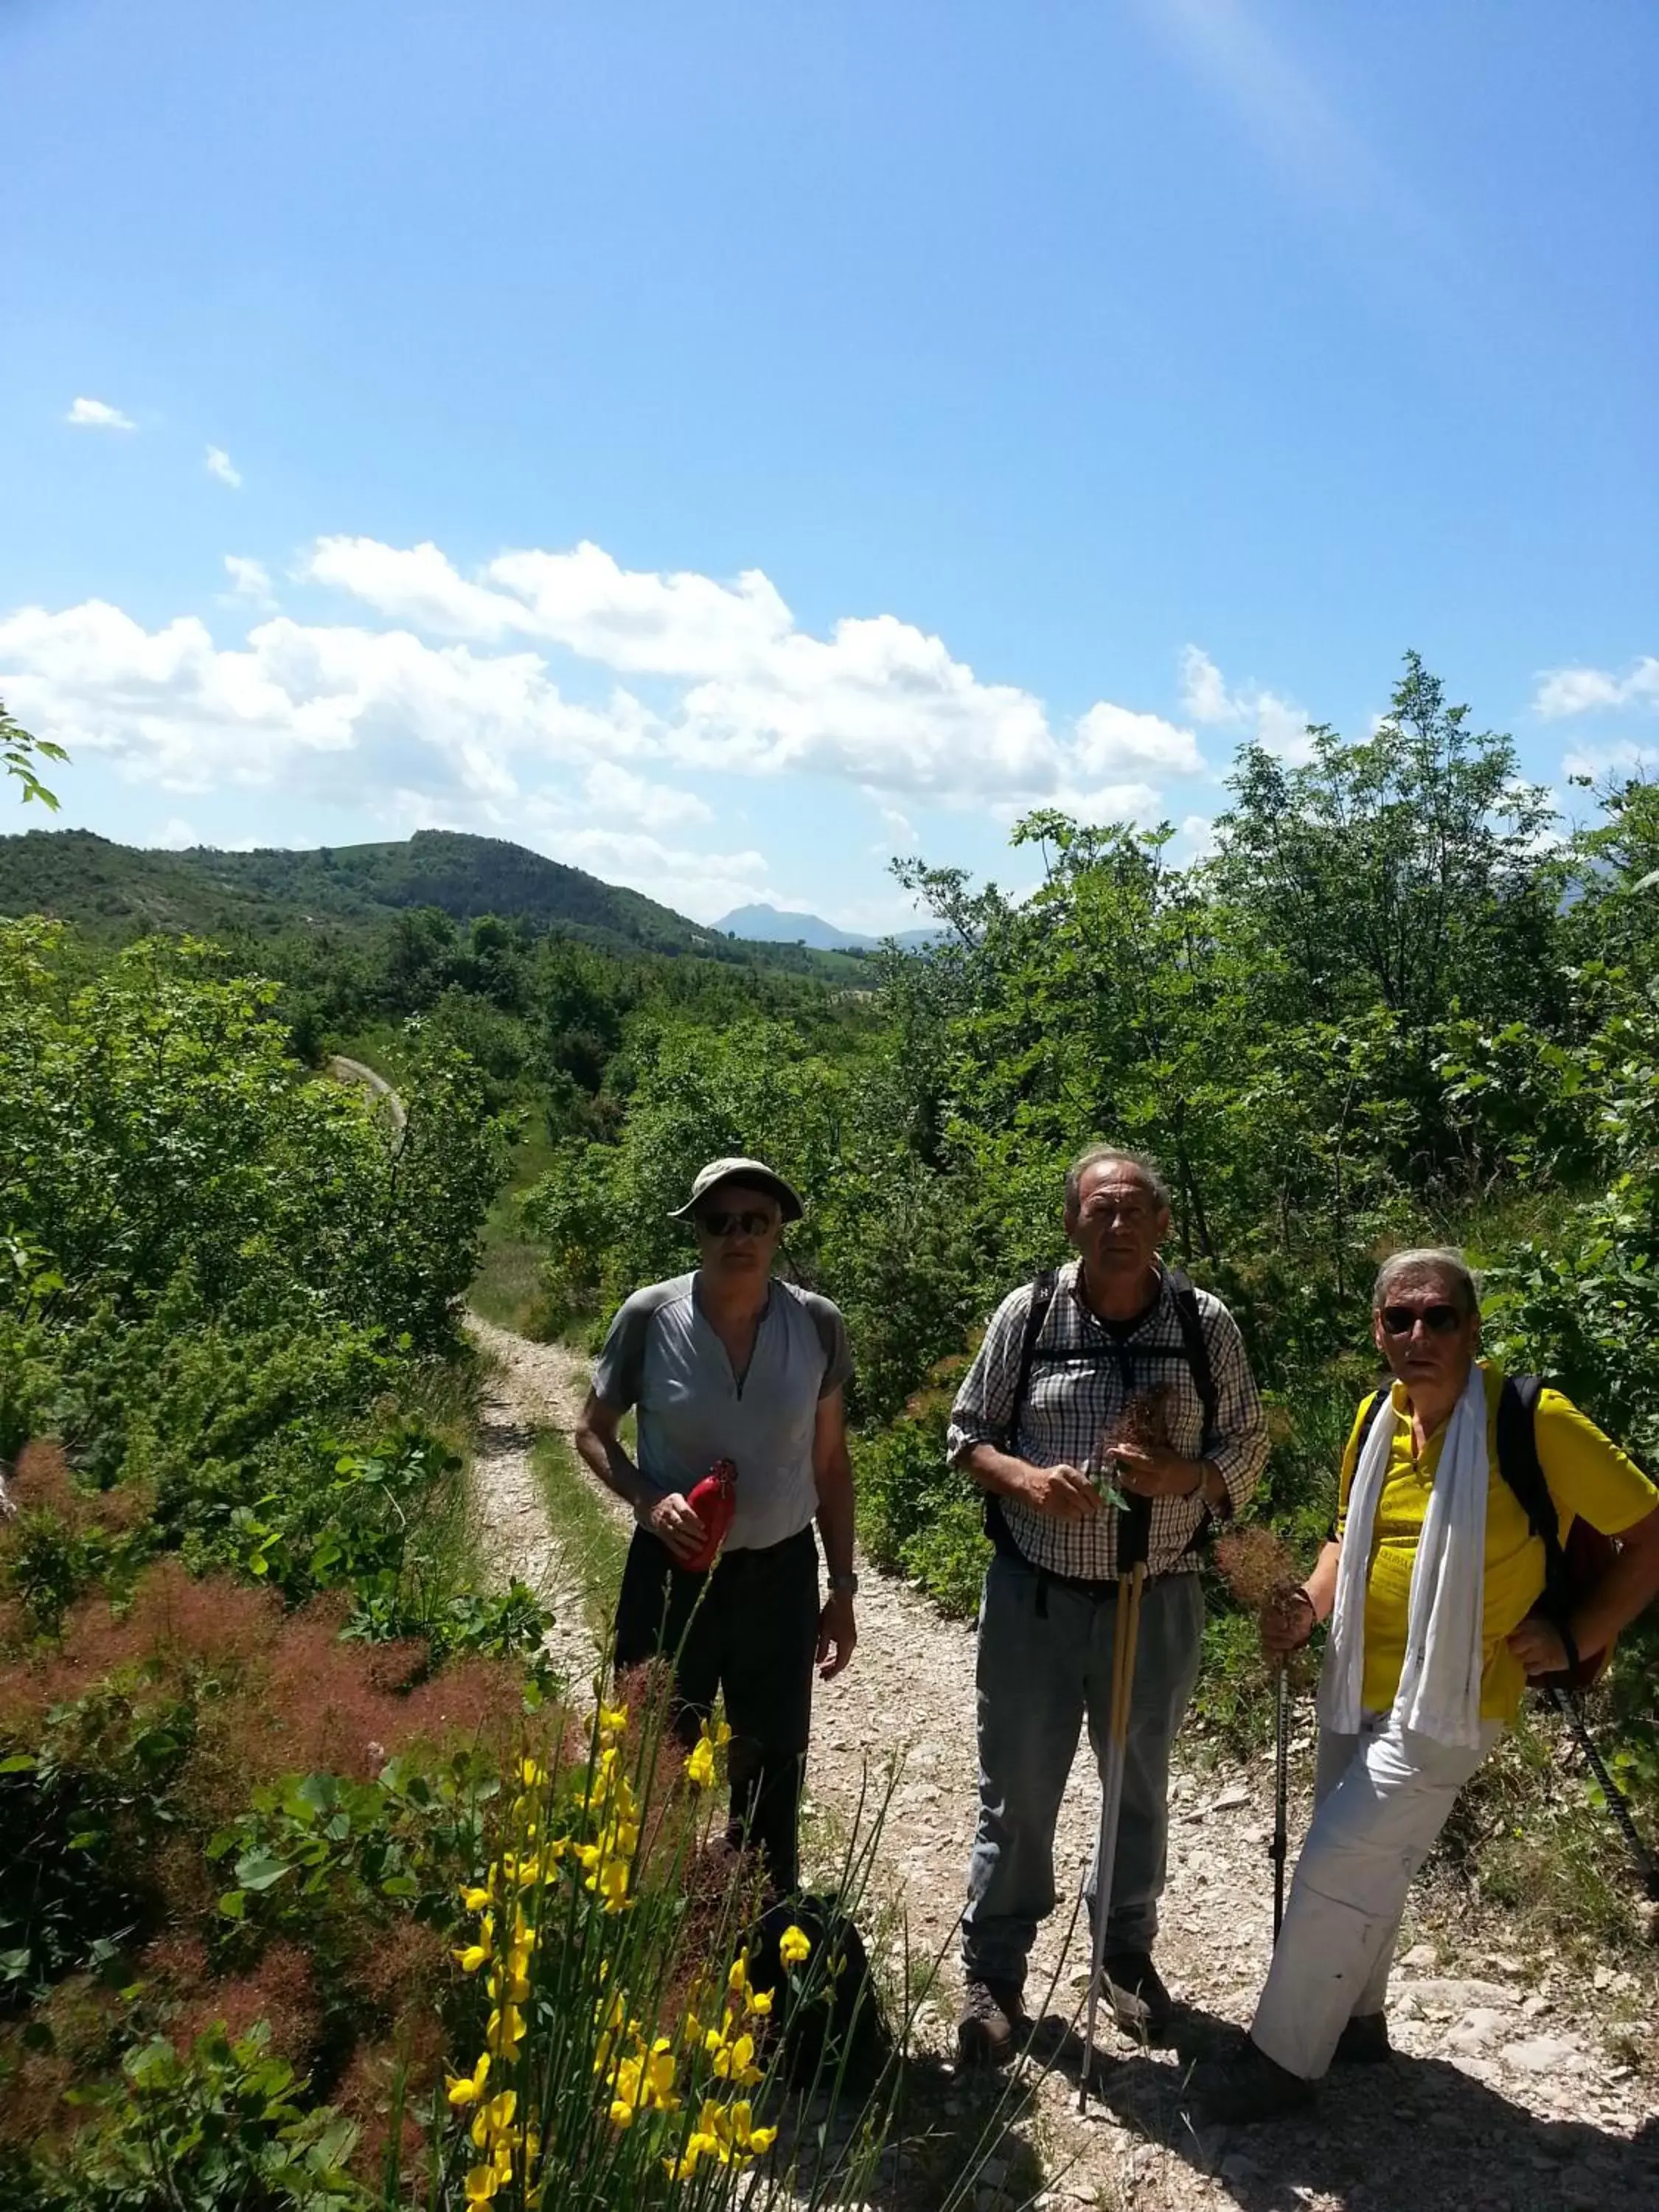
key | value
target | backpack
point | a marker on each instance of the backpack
(1196, 1352)
(1571, 1569)
(830, 2015)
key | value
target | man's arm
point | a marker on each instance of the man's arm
(1064, 1492)
(832, 1470)
(665, 1514)
(984, 1414)
(1629, 1587)
(1235, 1450)
(1289, 1616)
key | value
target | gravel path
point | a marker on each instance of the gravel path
(529, 1388)
(1506, 2099)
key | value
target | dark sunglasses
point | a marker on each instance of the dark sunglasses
(716, 1224)
(1439, 1320)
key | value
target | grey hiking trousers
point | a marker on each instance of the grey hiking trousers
(1044, 1661)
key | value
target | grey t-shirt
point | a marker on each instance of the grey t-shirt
(661, 1356)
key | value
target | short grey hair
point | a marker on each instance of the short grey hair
(1428, 1259)
(1098, 1156)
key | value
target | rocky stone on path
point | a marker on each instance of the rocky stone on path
(1544, 2054)
(1421, 1958)
(1460, 1995)
(1478, 2030)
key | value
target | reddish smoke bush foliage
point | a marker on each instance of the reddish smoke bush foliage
(33, 2109)
(1256, 1565)
(280, 1989)
(401, 1970)
(366, 2093)
(41, 1482)
(176, 1966)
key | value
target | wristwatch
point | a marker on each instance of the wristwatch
(848, 1581)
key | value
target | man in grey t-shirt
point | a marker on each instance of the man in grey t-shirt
(729, 1362)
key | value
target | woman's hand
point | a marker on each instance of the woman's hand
(1286, 1622)
(670, 1519)
(838, 1633)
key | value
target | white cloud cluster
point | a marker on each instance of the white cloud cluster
(878, 701)
(1563, 691)
(1275, 724)
(451, 714)
(220, 465)
(98, 415)
(250, 580)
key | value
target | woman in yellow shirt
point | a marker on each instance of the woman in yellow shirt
(1431, 1585)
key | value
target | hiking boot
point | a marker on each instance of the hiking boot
(992, 2013)
(1238, 2093)
(1364, 2041)
(1140, 2004)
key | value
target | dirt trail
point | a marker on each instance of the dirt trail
(1508, 2098)
(530, 1388)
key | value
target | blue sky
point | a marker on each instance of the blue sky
(723, 447)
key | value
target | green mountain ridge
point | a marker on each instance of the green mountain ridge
(128, 890)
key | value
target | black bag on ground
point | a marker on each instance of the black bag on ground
(826, 2008)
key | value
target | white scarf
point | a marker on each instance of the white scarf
(1439, 1693)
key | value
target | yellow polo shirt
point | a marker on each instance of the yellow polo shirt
(1586, 1472)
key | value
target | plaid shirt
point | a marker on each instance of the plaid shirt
(1081, 1376)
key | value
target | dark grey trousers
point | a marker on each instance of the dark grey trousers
(1044, 1663)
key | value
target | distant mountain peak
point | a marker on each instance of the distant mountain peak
(773, 925)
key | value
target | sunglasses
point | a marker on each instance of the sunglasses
(1439, 1320)
(717, 1224)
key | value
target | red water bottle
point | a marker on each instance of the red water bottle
(714, 1500)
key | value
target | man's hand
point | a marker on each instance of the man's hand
(838, 1633)
(671, 1518)
(1538, 1646)
(1286, 1622)
(1063, 1492)
(1154, 1471)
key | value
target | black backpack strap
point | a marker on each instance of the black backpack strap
(1198, 1346)
(1521, 1468)
(1042, 1297)
(1184, 1298)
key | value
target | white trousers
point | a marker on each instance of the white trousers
(1381, 1798)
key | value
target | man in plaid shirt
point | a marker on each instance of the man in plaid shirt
(1133, 1375)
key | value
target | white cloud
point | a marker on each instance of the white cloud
(338, 713)
(1109, 738)
(1114, 802)
(1195, 840)
(250, 579)
(1271, 721)
(705, 886)
(99, 415)
(1563, 691)
(175, 834)
(477, 722)
(219, 463)
(613, 790)
(1203, 694)
(877, 700)
(1620, 762)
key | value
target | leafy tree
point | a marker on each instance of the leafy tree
(1401, 871)
(19, 751)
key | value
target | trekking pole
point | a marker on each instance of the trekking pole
(1278, 1848)
(1133, 1527)
(1617, 1804)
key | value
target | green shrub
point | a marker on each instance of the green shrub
(918, 1515)
(218, 2129)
